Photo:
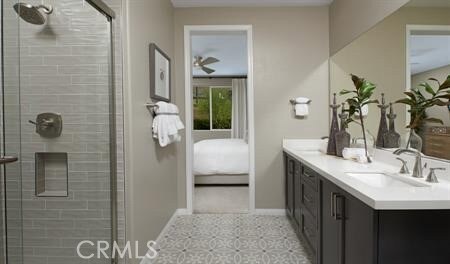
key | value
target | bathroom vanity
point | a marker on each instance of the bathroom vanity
(351, 213)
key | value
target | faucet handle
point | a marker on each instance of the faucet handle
(404, 169)
(432, 175)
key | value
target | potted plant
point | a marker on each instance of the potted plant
(419, 103)
(361, 97)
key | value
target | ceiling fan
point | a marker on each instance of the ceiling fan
(200, 63)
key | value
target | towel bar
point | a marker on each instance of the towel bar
(294, 102)
(151, 105)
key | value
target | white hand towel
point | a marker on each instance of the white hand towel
(301, 106)
(357, 154)
(364, 110)
(166, 124)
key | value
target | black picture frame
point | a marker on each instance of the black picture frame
(156, 81)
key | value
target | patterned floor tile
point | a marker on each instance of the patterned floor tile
(231, 239)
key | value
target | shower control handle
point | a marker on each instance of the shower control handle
(48, 125)
(8, 159)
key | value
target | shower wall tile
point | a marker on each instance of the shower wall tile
(63, 69)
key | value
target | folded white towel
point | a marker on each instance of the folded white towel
(357, 154)
(166, 124)
(301, 106)
(364, 110)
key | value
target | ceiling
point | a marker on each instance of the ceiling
(429, 52)
(229, 48)
(232, 3)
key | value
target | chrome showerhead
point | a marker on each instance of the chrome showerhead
(31, 14)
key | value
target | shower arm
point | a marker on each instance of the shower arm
(46, 9)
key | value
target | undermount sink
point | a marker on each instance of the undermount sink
(383, 180)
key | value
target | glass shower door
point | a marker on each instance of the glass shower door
(11, 184)
(58, 105)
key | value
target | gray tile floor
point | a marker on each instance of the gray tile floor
(231, 238)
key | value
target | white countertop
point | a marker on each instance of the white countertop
(431, 196)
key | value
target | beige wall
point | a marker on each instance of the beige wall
(441, 74)
(290, 59)
(380, 56)
(351, 18)
(151, 171)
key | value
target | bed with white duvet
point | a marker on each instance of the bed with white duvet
(221, 161)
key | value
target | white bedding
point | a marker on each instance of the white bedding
(221, 156)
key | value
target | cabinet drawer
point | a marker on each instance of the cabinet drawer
(309, 199)
(309, 232)
(310, 177)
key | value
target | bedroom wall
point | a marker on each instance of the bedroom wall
(290, 59)
(151, 171)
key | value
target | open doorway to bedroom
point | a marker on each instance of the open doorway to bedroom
(218, 106)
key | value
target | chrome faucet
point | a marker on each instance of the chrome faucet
(418, 170)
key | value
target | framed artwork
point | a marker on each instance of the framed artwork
(159, 74)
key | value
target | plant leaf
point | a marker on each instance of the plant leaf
(436, 80)
(346, 92)
(433, 120)
(445, 84)
(405, 101)
(439, 102)
(428, 88)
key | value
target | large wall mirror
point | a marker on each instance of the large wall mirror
(400, 54)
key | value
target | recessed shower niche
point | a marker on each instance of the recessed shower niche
(51, 174)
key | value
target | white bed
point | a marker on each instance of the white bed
(221, 161)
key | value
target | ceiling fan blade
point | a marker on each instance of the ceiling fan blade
(209, 60)
(207, 70)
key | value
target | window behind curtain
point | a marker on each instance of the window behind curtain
(212, 108)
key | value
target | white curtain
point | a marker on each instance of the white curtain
(239, 125)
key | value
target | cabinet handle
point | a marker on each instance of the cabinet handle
(306, 231)
(332, 205)
(339, 215)
(307, 198)
(307, 175)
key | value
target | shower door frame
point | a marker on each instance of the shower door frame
(110, 15)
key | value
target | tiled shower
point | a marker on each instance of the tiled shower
(62, 189)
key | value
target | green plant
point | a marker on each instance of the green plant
(361, 97)
(419, 103)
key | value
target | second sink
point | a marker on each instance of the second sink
(383, 180)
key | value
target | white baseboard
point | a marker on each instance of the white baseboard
(182, 211)
(269, 212)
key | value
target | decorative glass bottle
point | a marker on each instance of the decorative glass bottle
(391, 138)
(383, 128)
(342, 137)
(331, 148)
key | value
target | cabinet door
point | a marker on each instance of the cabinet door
(297, 193)
(359, 232)
(290, 166)
(331, 224)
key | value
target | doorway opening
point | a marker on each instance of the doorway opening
(219, 119)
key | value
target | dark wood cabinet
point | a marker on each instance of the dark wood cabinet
(341, 229)
(332, 227)
(297, 194)
(289, 185)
